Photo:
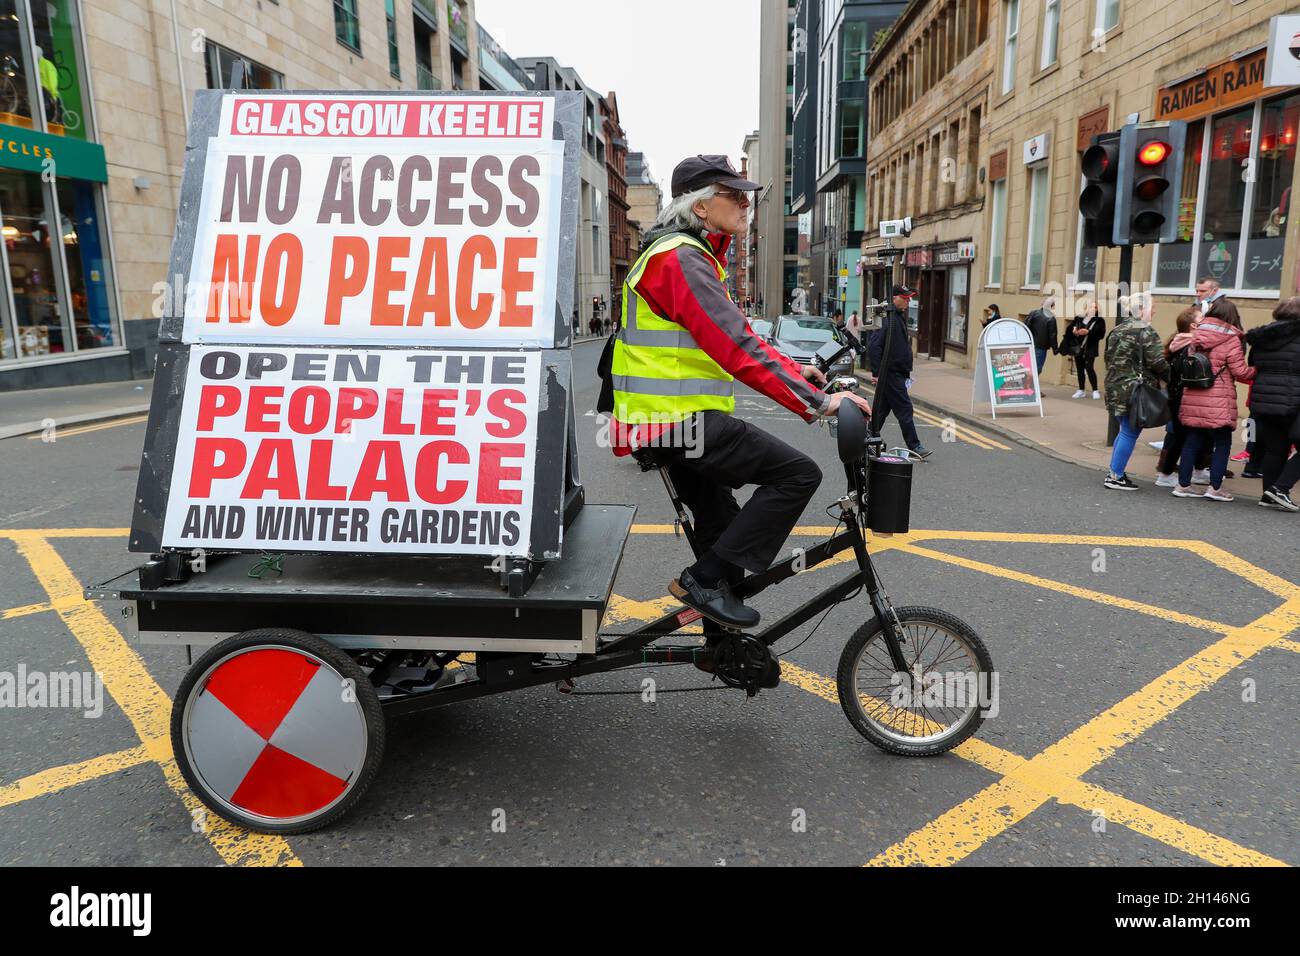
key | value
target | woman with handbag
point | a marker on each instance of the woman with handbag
(1082, 340)
(1275, 402)
(1210, 413)
(1135, 363)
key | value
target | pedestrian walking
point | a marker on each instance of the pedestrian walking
(856, 328)
(893, 372)
(1175, 430)
(1134, 353)
(1275, 355)
(1210, 414)
(1082, 339)
(1042, 326)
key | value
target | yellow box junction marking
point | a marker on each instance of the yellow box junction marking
(1025, 784)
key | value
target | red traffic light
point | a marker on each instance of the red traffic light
(1153, 153)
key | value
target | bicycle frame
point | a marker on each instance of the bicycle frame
(503, 672)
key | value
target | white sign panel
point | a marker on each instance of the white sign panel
(363, 450)
(1282, 65)
(373, 221)
(1036, 148)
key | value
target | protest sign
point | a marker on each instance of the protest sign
(295, 449)
(367, 221)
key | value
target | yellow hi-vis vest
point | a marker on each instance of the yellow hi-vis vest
(660, 374)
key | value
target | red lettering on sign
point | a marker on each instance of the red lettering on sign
(491, 473)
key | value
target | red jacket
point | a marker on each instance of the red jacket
(682, 285)
(1216, 406)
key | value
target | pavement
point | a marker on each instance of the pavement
(1069, 429)
(41, 409)
(1147, 650)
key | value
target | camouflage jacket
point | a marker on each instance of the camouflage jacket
(1133, 352)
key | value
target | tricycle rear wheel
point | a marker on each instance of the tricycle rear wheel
(277, 730)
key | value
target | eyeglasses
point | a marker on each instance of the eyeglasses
(734, 195)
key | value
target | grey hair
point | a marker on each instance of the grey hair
(680, 215)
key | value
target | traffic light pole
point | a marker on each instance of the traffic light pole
(1125, 279)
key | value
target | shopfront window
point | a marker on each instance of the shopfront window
(1235, 198)
(1225, 196)
(1174, 259)
(85, 250)
(1271, 199)
(15, 94)
(41, 324)
(958, 304)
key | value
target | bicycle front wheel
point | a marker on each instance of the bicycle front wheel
(932, 708)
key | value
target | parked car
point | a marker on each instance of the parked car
(762, 328)
(800, 336)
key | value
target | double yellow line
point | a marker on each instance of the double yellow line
(959, 431)
(84, 429)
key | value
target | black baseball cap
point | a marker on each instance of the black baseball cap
(903, 290)
(696, 172)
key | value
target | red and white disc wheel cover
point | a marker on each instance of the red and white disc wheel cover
(275, 732)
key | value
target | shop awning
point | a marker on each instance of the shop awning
(26, 149)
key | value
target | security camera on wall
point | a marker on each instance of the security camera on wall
(895, 228)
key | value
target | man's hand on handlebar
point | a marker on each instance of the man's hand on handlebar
(837, 397)
(813, 374)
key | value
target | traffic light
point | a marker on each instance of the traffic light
(1097, 201)
(1150, 167)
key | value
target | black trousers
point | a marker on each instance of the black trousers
(1273, 445)
(891, 396)
(1086, 365)
(730, 453)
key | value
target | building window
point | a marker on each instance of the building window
(1036, 248)
(851, 128)
(347, 29)
(1011, 9)
(220, 63)
(997, 231)
(394, 58)
(856, 52)
(1051, 28)
(1107, 16)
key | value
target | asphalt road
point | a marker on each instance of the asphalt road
(1147, 707)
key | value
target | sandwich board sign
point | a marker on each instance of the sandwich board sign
(1006, 370)
(362, 348)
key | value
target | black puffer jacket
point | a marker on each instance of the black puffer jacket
(1275, 352)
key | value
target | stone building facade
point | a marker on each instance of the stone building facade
(1065, 71)
(928, 87)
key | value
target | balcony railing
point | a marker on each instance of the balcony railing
(498, 65)
(425, 80)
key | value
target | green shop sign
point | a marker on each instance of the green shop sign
(27, 149)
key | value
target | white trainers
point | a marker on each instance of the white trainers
(1201, 476)
(1182, 491)
(1167, 481)
(1079, 394)
(1096, 395)
(1216, 494)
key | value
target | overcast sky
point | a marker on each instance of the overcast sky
(685, 71)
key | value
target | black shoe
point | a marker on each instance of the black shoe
(1252, 473)
(921, 452)
(716, 603)
(1279, 499)
(1122, 483)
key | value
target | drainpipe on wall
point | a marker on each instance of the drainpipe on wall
(180, 71)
